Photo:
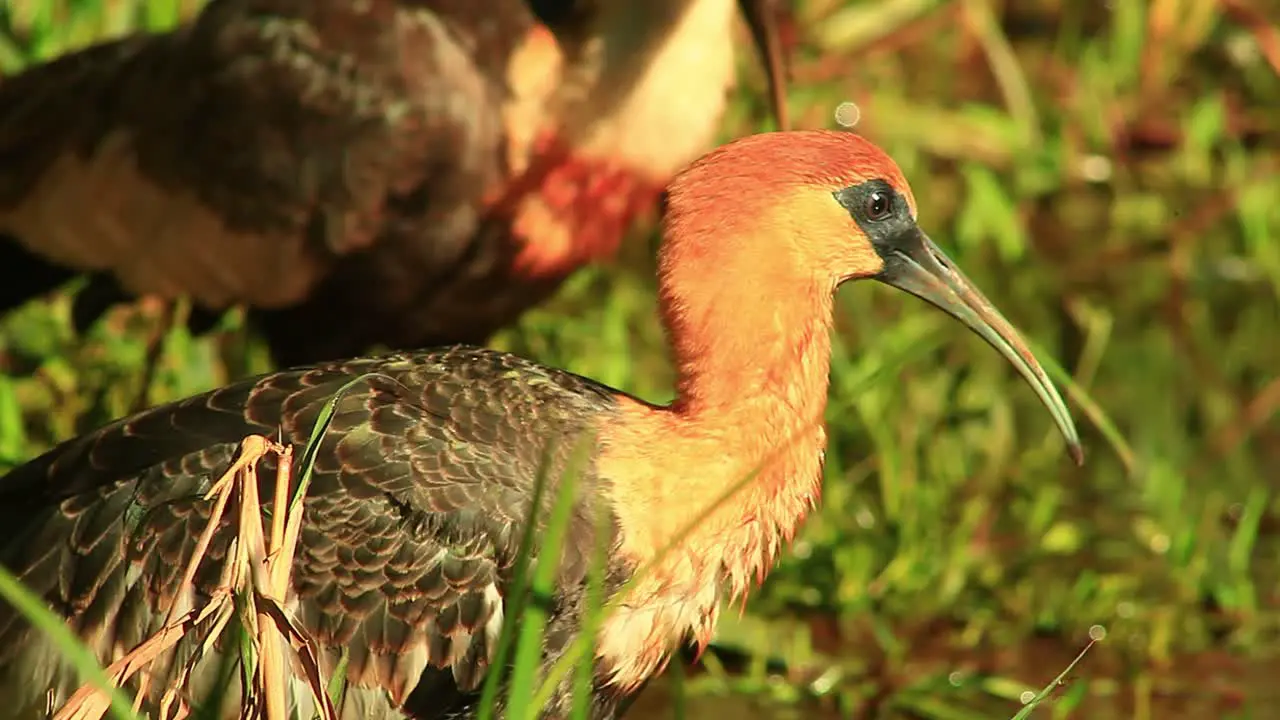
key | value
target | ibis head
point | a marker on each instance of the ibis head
(833, 207)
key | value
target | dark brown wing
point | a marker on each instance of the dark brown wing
(235, 159)
(412, 522)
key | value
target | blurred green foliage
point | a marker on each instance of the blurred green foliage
(1107, 173)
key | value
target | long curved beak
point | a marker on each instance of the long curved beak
(918, 266)
(762, 19)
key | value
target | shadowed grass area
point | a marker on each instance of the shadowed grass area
(1108, 176)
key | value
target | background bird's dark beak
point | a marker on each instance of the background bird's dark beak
(915, 264)
(762, 18)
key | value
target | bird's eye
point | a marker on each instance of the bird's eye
(879, 204)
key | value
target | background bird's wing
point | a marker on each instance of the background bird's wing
(420, 491)
(232, 159)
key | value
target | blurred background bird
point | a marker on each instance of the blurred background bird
(379, 173)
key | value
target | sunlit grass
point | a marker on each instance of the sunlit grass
(1147, 268)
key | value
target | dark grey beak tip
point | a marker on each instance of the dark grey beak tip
(1076, 450)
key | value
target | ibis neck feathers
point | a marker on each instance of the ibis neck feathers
(750, 333)
(752, 359)
(753, 391)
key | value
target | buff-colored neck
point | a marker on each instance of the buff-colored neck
(750, 334)
(751, 341)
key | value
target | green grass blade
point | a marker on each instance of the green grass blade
(593, 615)
(528, 658)
(319, 429)
(1045, 692)
(68, 645)
(514, 601)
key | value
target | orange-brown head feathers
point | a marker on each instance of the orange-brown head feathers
(818, 158)
(780, 192)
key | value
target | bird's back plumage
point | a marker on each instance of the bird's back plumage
(320, 161)
(412, 522)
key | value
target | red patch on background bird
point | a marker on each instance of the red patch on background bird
(567, 210)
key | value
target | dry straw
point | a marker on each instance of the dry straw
(257, 571)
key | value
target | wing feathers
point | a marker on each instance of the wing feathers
(233, 159)
(410, 529)
(77, 190)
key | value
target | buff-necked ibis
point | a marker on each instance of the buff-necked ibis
(357, 173)
(424, 479)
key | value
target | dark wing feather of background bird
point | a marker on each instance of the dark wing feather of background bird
(245, 157)
(318, 161)
(420, 493)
